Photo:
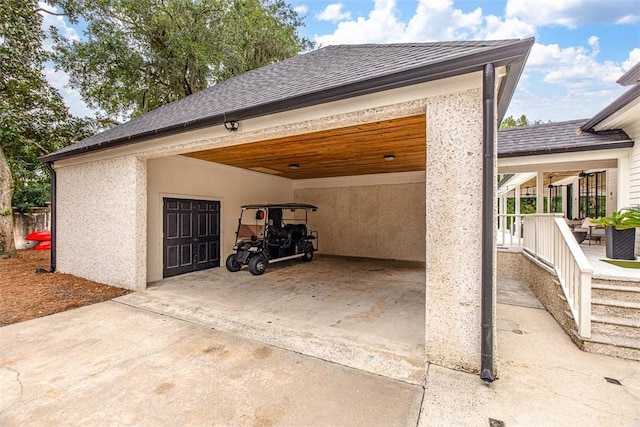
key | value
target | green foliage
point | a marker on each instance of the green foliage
(510, 122)
(141, 54)
(622, 219)
(33, 118)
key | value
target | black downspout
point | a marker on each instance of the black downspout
(488, 146)
(52, 267)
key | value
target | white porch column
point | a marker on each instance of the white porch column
(517, 210)
(454, 230)
(540, 193)
(564, 200)
(503, 210)
(624, 189)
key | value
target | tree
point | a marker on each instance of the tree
(510, 122)
(138, 55)
(33, 118)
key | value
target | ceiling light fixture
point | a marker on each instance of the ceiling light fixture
(231, 125)
(389, 157)
(294, 166)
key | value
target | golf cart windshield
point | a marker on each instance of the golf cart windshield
(252, 224)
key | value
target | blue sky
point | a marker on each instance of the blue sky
(582, 46)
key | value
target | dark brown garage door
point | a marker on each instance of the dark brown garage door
(191, 236)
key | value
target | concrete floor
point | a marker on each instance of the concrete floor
(362, 313)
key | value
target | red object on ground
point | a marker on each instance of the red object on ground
(43, 245)
(39, 236)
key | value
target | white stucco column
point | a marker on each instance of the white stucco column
(102, 217)
(454, 230)
(540, 193)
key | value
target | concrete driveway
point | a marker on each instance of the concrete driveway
(111, 364)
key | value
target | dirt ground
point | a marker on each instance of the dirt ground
(25, 294)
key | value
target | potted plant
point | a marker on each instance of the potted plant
(620, 232)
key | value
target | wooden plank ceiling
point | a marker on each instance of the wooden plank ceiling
(348, 151)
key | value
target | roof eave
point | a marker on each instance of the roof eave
(512, 55)
(611, 109)
(598, 147)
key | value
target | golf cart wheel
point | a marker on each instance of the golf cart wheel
(232, 264)
(257, 265)
(308, 253)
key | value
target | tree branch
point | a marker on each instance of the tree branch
(49, 12)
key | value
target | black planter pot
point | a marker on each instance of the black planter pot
(620, 243)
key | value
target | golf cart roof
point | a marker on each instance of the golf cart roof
(281, 206)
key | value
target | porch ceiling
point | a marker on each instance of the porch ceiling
(554, 176)
(347, 151)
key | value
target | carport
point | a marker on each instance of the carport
(387, 140)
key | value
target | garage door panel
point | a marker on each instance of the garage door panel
(186, 227)
(172, 257)
(172, 225)
(186, 255)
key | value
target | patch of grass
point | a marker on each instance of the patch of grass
(623, 264)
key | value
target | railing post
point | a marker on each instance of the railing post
(584, 327)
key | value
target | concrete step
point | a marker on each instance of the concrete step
(612, 345)
(617, 292)
(617, 326)
(615, 308)
(615, 282)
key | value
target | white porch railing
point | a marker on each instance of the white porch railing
(547, 240)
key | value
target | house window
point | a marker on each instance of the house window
(593, 195)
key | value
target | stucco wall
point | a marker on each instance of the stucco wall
(454, 230)
(101, 226)
(187, 178)
(375, 221)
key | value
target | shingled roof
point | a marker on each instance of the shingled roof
(561, 137)
(327, 74)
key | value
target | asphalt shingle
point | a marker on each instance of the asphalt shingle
(555, 138)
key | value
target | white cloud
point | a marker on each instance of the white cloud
(511, 28)
(575, 68)
(438, 20)
(334, 13)
(72, 98)
(301, 10)
(59, 22)
(572, 13)
(633, 59)
(380, 26)
(432, 21)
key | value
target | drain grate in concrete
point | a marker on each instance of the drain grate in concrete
(496, 423)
